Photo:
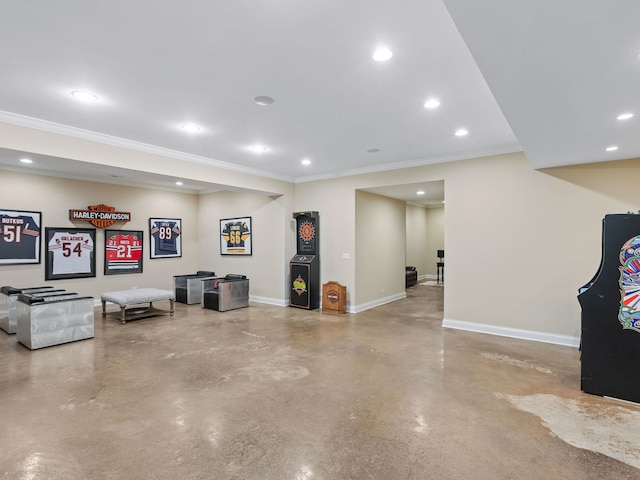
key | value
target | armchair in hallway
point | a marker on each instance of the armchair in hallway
(411, 276)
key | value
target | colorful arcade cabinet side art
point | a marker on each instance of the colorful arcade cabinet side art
(610, 304)
(304, 267)
(629, 315)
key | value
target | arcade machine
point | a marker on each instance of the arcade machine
(610, 304)
(305, 266)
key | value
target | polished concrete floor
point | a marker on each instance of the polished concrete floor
(278, 393)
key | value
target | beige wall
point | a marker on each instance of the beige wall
(380, 243)
(435, 237)
(416, 238)
(425, 235)
(272, 241)
(519, 242)
(144, 158)
(335, 201)
(55, 196)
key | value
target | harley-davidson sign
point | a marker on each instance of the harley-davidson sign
(101, 216)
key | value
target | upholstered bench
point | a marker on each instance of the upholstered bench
(137, 296)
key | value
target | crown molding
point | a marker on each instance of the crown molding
(514, 148)
(60, 129)
(66, 130)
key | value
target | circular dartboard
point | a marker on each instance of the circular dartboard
(307, 231)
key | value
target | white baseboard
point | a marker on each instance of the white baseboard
(512, 333)
(350, 308)
(422, 278)
(269, 301)
(375, 303)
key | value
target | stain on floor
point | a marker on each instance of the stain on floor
(606, 428)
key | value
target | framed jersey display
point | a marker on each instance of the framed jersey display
(165, 237)
(70, 253)
(122, 252)
(236, 236)
(19, 236)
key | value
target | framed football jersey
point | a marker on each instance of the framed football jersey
(165, 235)
(236, 237)
(20, 236)
(70, 253)
(122, 252)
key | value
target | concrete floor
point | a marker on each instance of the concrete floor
(279, 393)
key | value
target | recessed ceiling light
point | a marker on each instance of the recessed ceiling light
(461, 132)
(305, 161)
(258, 148)
(625, 116)
(190, 127)
(373, 150)
(382, 54)
(179, 183)
(263, 100)
(84, 96)
(26, 160)
(432, 103)
(420, 192)
(612, 148)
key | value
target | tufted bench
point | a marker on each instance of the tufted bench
(137, 296)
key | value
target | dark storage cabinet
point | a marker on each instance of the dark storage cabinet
(305, 281)
(304, 267)
(610, 302)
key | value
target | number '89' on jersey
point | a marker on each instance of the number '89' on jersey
(164, 236)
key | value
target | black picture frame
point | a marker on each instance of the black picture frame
(236, 236)
(123, 251)
(70, 253)
(20, 236)
(165, 237)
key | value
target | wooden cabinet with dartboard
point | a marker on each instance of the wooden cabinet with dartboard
(304, 267)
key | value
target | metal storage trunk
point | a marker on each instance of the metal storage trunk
(8, 298)
(54, 321)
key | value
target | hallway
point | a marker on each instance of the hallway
(268, 392)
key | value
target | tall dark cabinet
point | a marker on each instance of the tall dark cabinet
(610, 302)
(304, 267)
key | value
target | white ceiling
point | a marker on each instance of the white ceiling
(560, 71)
(432, 193)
